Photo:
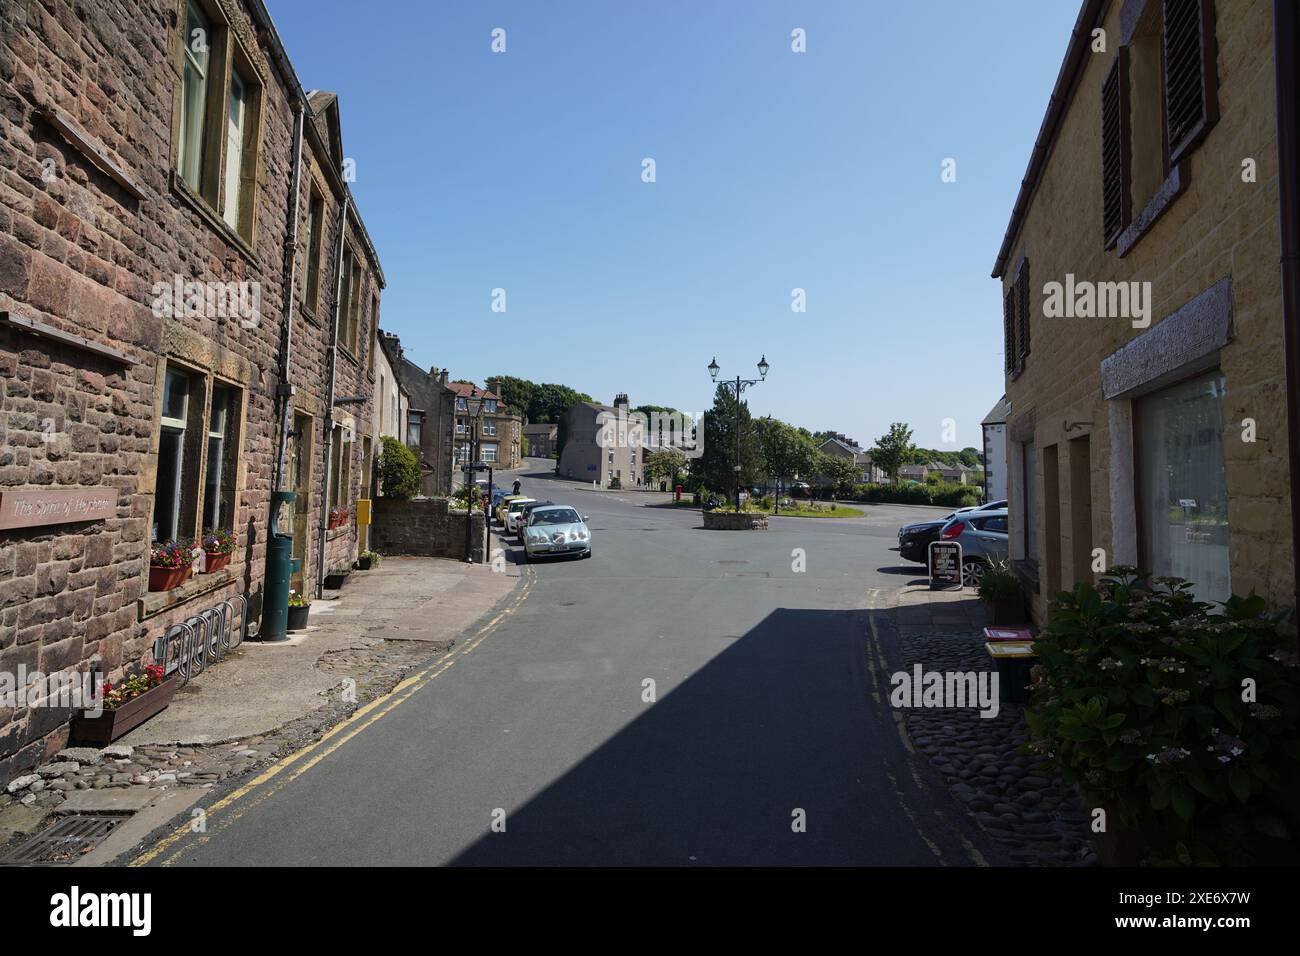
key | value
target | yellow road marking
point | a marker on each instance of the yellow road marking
(318, 750)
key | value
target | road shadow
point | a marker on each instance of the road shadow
(781, 722)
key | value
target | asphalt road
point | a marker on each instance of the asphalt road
(764, 712)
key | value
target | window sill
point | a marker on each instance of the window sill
(198, 204)
(1173, 186)
(347, 354)
(156, 602)
(333, 533)
(309, 314)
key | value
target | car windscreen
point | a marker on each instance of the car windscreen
(554, 516)
(519, 505)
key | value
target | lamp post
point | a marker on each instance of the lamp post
(739, 385)
(473, 408)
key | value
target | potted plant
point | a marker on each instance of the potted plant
(218, 548)
(1000, 590)
(367, 560)
(299, 609)
(336, 578)
(170, 565)
(125, 706)
(333, 518)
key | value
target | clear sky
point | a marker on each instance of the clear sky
(775, 170)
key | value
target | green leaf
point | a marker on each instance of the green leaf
(1239, 782)
(1183, 800)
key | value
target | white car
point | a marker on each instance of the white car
(556, 529)
(514, 511)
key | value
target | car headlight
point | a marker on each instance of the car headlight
(582, 535)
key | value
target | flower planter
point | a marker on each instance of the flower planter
(730, 521)
(1008, 612)
(215, 561)
(363, 564)
(334, 582)
(112, 724)
(298, 617)
(164, 579)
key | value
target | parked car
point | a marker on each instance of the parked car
(521, 519)
(983, 539)
(499, 507)
(513, 510)
(914, 539)
(555, 529)
(800, 489)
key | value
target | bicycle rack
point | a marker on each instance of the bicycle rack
(203, 639)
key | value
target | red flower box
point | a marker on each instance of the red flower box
(215, 562)
(164, 579)
(112, 724)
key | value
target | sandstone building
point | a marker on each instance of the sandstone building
(1144, 320)
(172, 318)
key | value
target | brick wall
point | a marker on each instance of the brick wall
(81, 252)
(425, 526)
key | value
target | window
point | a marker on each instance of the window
(1181, 486)
(218, 488)
(168, 489)
(489, 452)
(1027, 504)
(374, 332)
(341, 468)
(489, 428)
(460, 404)
(315, 226)
(198, 454)
(343, 309)
(460, 426)
(490, 406)
(194, 94)
(217, 139)
(414, 428)
(353, 323)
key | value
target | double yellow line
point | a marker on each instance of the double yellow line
(289, 768)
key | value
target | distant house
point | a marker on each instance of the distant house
(597, 449)
(428, 416)
(542, 439)
(995, 451)
(871, 472)
(499, 426)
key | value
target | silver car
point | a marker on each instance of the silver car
(983, 539)
(556, 529)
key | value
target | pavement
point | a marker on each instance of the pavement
(265, 685)
(685, 697)
(923, 610)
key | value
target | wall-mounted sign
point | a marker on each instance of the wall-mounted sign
(31, 507)
(945, 565)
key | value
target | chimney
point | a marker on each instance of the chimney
(494, 386)
(442, 377)
(621, 400)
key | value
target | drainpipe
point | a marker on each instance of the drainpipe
(284, 392)
(1288, 152)
(329, 395)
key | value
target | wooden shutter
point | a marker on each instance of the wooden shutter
(1116, 150)
(1009, 329)
(1191, 82)
(1022, 312)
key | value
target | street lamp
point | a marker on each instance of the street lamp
(473, 409)
(739, 386)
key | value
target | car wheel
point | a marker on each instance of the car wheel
(586, 554)
(972, 571)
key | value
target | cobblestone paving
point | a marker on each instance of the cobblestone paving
(1030, 812)
(376, 670)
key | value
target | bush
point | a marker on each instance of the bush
(398, 469)
(951, 495)
(998, 583)
(1152, 701)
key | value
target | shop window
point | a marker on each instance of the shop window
(1182, 491)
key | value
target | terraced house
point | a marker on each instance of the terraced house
(188, 304)
(1150, 416)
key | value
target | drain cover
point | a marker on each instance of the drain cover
(66, 841)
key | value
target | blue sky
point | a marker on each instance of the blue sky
(775, 171)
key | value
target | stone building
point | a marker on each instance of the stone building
(500, 427)
(1146, 389)
(153, 326)
(602, 444)
(430, 417)
(542, 439)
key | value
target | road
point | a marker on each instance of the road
(764, 713)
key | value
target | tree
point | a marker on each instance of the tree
(788, 452)
(716, 467)
(840, 473)
(398, 470)
(667, 463)
(894, 449)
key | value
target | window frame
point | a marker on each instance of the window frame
(315, 247)
(227, 58)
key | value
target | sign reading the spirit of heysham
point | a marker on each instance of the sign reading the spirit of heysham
(30, 507)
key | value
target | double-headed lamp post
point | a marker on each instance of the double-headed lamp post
(473, 409)
(740, 384)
